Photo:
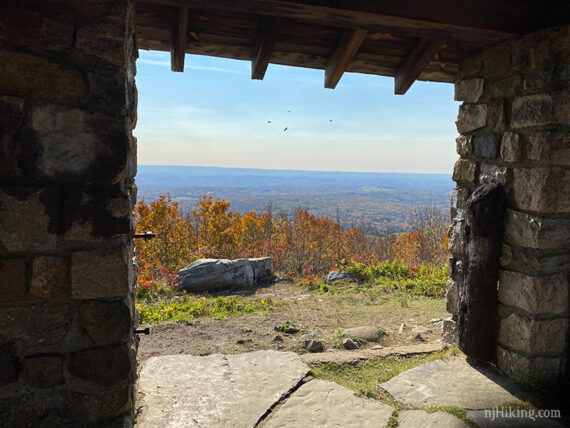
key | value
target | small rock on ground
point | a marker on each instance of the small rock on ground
(369, 333)
(423, 419)
(349, 344)
(313, 346)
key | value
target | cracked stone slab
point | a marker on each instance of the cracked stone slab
(451, 382)
(324, 404)
(421, 418)
(214, 391)
(496, 420)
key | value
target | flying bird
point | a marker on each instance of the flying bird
(285, 129)
(268, 121)
(330, 120)
(288, 111)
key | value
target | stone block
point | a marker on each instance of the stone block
(469, 90)
(502, 88)
(465, 171)
(94, 216)
(464, 145)
(106, 38)
(50, 28)
(452, 297)
(19, 76)
(29, 219)
(533, 336)
(497, 60)
(459, 197)
(456, 235)
(106, 322)
(450, 332)
(44, 371)
(486, 145)
(532, 110)
(100, 274)
(105, 366)
(493, 174)
(9, 364)
(530, 231)
(537, 262)
(548, 370)
(511, 147)
(41, 328)
(11, 118)
(496, 118)
(536, 295)
(115, 401)
(549, 147)
(471, 117)
(541, 189)
(76, 145)
(49, 278)
(12, 281)
(470, 66)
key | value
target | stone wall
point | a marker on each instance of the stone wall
(514, 128)
(67, 167)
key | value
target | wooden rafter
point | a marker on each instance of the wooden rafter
(415, 63)
(179, 39)
(268, 30)
(345, 49)
(348, 18)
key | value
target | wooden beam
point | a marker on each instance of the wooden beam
(415, 63)
(179, 38)
(268, 30)
(348, 18)
(347, 46)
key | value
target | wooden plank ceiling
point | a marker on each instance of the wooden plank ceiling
(407, 40)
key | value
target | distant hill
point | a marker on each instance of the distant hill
(377, 198)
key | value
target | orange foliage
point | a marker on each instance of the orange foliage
(304, 244)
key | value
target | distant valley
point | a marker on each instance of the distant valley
(380, 202)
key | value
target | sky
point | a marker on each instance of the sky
(214, 114)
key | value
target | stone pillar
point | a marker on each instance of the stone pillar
(515, 131)
(67, 167)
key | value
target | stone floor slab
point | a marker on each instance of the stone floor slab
(423, 419)
(324, 404)
(451, 382)
(495, 420)
(214, 391)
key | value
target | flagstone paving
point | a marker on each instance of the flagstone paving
(273, 390)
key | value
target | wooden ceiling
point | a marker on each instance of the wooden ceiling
(407, 40)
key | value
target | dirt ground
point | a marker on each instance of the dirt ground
(319, 316)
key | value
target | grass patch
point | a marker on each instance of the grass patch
(393, 421)
(383, 278)
(458, 412)
(365, 376)
(186, 308)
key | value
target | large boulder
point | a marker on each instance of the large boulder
(223, 274)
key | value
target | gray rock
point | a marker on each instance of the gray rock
(348, 343)
(215, 391)
(313, 346)
(401, 329)
(337, 276)
(369, 333)
(319, 403)
(417, 337)
(451, 382)
(450, 331)
(219, 274)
